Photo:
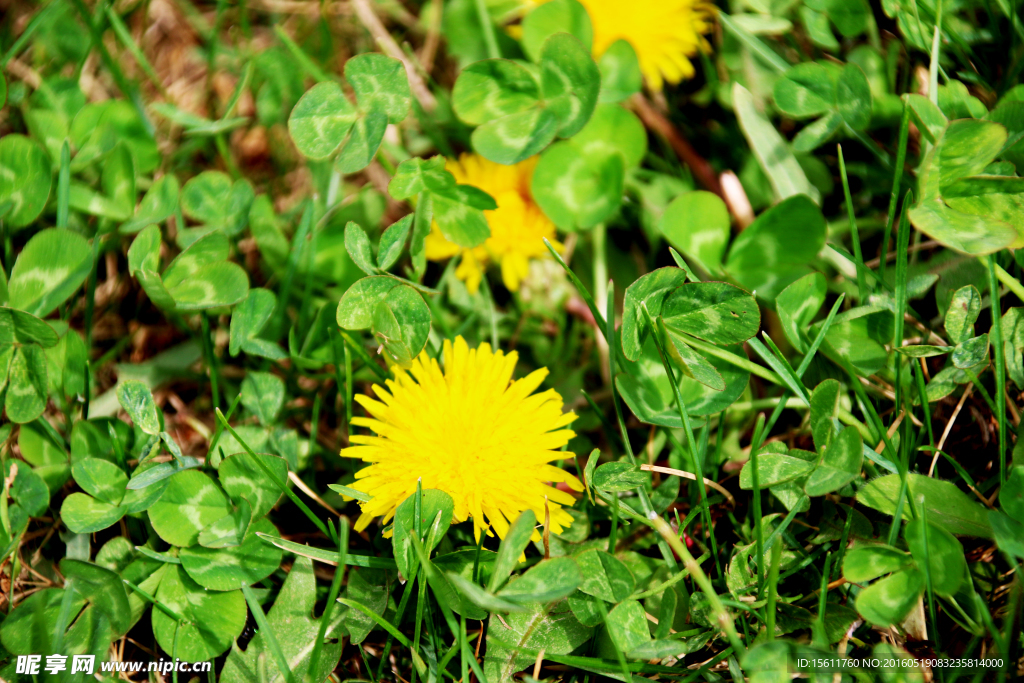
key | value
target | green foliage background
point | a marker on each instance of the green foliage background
(795, 277)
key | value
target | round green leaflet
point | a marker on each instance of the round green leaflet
(556, 631)
(156, 206)
(101, 479)
(886, 602)
(380, 83)
(627, 625)
(26, 384)
(356, 308)
(946, 563)
(570, 82)
(28, 488)
(555, 17)
(25, 180)
(869, 562)
(214, 619)
(83, 514)
(50, 268)
(214, 285)
(38, 449)
(225, 569)
(102, 588)
(714, 311)
(190, 502)
(853, 97)
(697, 224)
(18, 633)
(580, 182)
(493, 89)
(649, 395)
(578, 191)
(263, 395)
(775, 249)
(203, 198)
(402, 323)
(650, 290)
(621, 77)
(242, 477)
(518, 115)
(18, 327)
(605, 576)
(807, 89)
(137, 400)
(434, 505)
(546, 582)
(320, 120)
(292, 620)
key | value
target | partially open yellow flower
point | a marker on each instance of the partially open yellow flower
(664, 33)
(468, 430)
(518, 226)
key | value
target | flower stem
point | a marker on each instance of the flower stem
(600, 259)
(723, 617)
(487, 25)
(1000, 363)
(658, 334)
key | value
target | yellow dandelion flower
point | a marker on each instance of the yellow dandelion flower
(664, 33)
(469, 430)
(518, 226)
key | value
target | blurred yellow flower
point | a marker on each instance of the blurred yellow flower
(664, 33)
(518, 226)
(471, 431)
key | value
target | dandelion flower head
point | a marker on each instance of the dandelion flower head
(471, 431)
(665, 34)
(518, 226)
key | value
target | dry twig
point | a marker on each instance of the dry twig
(372, 22)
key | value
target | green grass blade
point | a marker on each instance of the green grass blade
(328, 556)
(773, 589)
(1000, 363)
(724, 619)
(902, 245)
(243, 83)
(377, 619)
(820, 638)
(897, 176)
(659, 335)
(756, 478)
(933, 67)
(273, 476)
(64, 185)
(363, 356)
(307, 64)
(862, 287)
(754, 44)
(125, 36)
(741, 362)
(928, 582)
(268, 633)
(781, 367)
(613, 355)
(583, 291)
(1012, 283)
(27, 34)
(922, 395)
(153, 600)
(332, 596)
(296, 255)
(487, 24)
